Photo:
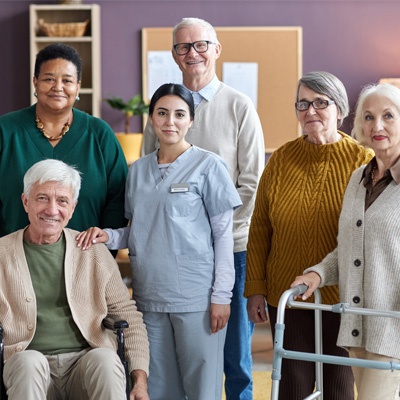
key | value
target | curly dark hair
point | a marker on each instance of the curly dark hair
(58, 50)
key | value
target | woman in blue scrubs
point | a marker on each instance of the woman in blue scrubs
(180, 201)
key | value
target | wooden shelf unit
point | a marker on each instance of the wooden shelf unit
(88, 47)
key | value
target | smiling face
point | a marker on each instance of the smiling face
(196, 67)
(317, 122)
(381, 124)
(171, 120)
(57, 85)
(50, 207)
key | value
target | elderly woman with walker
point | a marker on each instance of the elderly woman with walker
(365, 263)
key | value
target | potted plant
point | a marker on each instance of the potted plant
(131, 143)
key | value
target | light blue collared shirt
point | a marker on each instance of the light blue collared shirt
(207, 92)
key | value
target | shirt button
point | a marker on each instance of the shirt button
(356, 299)
(18, 348)
(30, 327)
(29, 299)
(355, 332)
(357, 262)
(359, 222)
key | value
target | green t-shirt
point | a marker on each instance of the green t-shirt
(56, 331)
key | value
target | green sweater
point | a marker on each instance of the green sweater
(295, 221)
(90, 145)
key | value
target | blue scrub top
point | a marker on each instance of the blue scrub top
(170, 242)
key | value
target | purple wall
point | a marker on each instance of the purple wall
(356, 40)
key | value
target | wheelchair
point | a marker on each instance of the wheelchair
(111, 322)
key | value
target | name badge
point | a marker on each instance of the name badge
(179, 187)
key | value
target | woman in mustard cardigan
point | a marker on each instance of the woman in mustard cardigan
(295, 224)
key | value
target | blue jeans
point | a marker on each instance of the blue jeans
(237, 352)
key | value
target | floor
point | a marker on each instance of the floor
(262, 348)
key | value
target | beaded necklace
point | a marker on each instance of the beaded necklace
(373, 174)
(64, 130)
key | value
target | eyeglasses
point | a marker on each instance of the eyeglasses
(318, 104)
(201, 46)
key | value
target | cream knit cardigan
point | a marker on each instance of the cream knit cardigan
(366, 264)
(94, 289)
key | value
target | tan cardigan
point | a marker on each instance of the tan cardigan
(366, 265)
(94, 289)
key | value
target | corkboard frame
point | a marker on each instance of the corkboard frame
(278, 53)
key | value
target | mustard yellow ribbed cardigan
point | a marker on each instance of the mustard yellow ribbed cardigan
(295, 220)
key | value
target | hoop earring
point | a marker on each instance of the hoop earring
(77, 98)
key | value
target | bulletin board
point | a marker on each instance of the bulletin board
(278, 53)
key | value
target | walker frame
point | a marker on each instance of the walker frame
(317, 357)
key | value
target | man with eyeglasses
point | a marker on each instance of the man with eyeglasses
(227, 124)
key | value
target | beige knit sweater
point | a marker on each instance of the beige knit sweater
(229, 126)
(295, 221)
(94, 289)
(366, 265)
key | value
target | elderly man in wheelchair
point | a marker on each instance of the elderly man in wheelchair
(53, 299)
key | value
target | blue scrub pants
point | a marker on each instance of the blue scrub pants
(238, 361)
(186, 360)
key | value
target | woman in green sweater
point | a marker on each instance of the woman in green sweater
(52, 128)
(295, 224)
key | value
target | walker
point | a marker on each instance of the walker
(317, 357)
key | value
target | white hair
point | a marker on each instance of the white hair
(186, 22)
(53, 170)
(387, 90)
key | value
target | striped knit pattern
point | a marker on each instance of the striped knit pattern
(295, 221)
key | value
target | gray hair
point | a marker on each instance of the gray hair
(53, 170)
(186, 22)
(329, 85)
(387, 90)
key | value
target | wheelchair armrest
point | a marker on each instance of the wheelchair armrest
(1, 347)
(114, 322)
(117, 325)
(2, 388)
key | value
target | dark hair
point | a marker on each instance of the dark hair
(174, 89)
(58, 50)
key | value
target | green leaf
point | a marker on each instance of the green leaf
(134, 106)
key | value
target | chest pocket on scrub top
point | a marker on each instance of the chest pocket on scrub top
(181, 204)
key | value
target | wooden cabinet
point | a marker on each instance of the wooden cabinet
(87, 45)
